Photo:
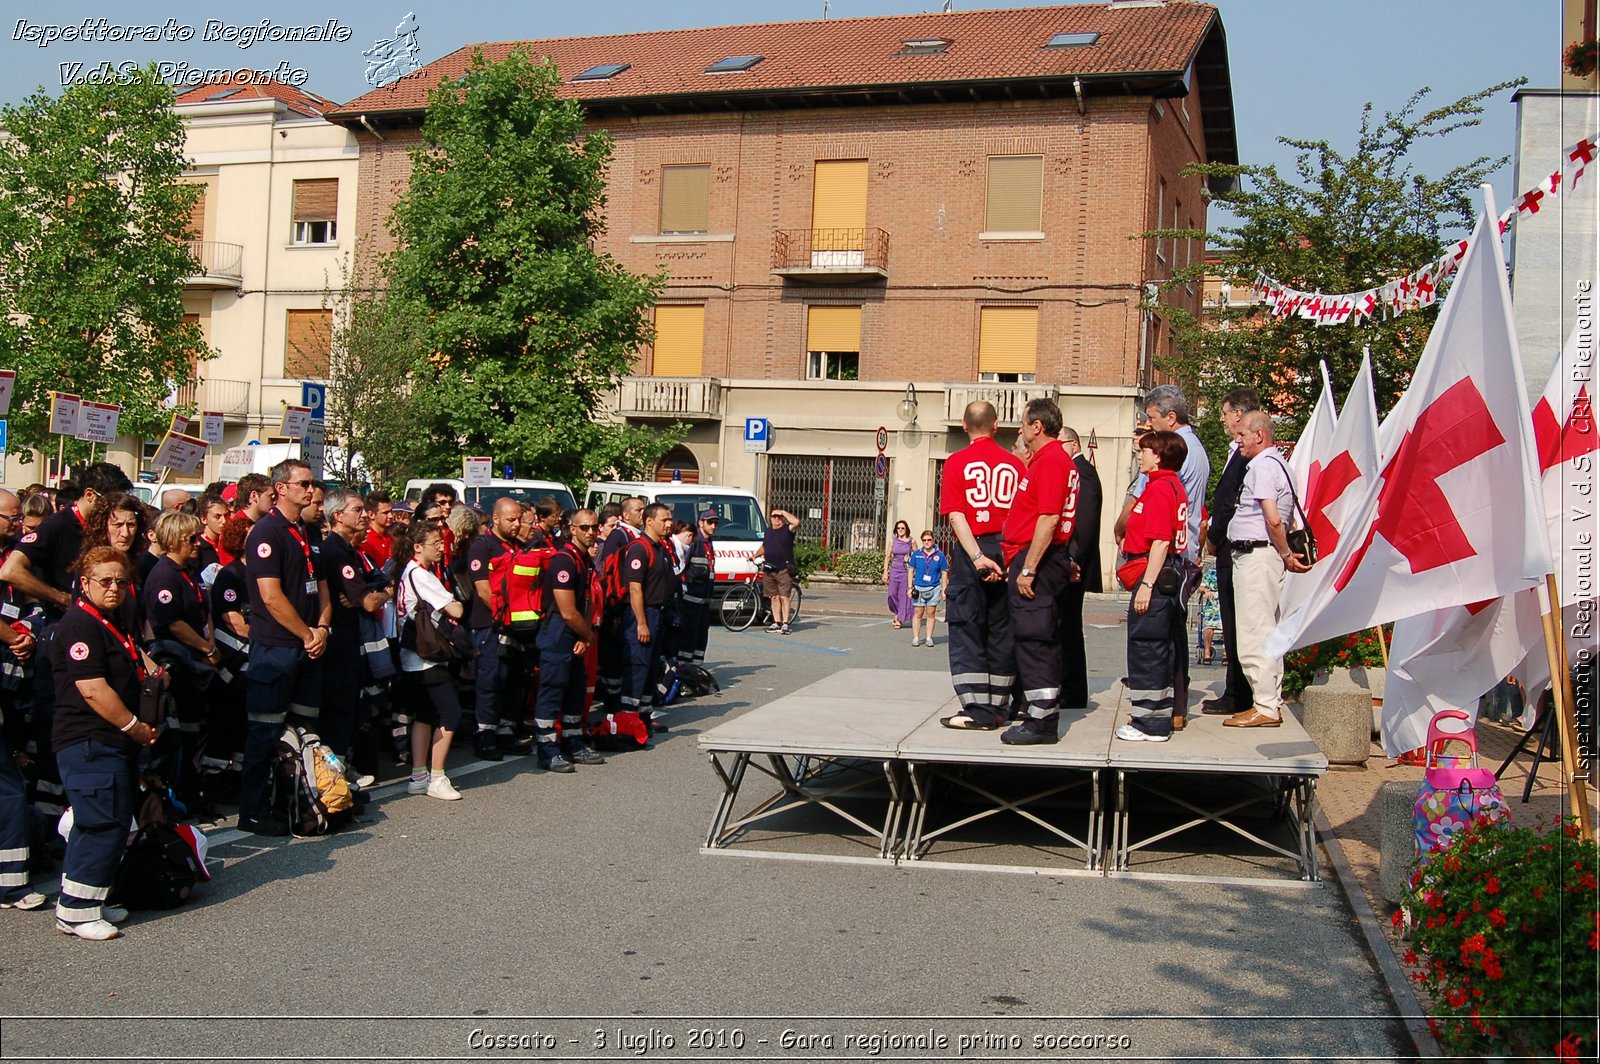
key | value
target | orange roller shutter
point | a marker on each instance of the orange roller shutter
(1008, 340)
(834, 329)
(680, 341)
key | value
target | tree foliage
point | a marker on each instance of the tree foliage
(1344, 222)
(93, 253)
(524, 326)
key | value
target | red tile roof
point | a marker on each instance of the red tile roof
(985, 46)
(300, 100)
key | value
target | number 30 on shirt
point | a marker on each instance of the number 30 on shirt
(989, 486)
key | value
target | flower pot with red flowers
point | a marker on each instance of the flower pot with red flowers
(1580, 58)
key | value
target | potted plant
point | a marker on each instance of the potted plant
(1579, 58)
(1505, 931)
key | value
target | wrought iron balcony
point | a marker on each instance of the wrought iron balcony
(831, 256)
(670, 398)
(1010, 400)
(220, 265)
(227, 397)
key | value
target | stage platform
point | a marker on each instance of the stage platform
(864, 749)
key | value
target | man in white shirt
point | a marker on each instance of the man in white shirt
(1258, 539)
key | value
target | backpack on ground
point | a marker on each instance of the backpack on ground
(623, 730)
(311, 791)
(516, 589)
(160, 866)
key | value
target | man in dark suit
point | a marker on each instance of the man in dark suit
(1083, 553)
(1236, 695)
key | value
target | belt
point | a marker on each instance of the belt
(1245, 546)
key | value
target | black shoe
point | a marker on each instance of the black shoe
(583, 755)
(484, 745)
(1022, 735)
(268, 826)
(520, 743)
(1218, 707)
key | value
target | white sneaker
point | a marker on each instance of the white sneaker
(439, 787)
(113, 914)
(916, 641)
(361, 782)
(1138, 735)
(28, 902)
(416, 786)
(92, 930)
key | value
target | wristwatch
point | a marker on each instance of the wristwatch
(1025, 571)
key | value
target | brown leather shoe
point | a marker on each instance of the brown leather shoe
(1179, 721)
(1252, 718)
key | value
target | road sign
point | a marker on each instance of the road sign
(315, 398)
(880, 466)
(883, 438)
(757, 434)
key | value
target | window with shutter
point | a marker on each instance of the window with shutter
(833, 343)
(1016, 194)
(315, 211)
(680, 341)
(685, 198)
(839, 210)
(1008, 340)
(308, 339)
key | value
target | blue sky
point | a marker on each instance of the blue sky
(1299, 69)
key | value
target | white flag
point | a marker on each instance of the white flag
(1455, 516)
(1569, 444)
(1314, 438)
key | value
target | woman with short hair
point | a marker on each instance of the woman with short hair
(180, 624)
(428, 686)
(96, 734)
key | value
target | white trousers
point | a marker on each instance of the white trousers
(1257, 584)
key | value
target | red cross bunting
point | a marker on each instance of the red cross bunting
(1424, 288)
(1582, 153)
(1325, 485)
(1530, 201)
(1414, 514)
(1552, 184)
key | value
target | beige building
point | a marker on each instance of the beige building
(278, 182)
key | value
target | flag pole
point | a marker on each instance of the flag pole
(1555, 645)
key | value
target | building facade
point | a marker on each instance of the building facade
(855, 211)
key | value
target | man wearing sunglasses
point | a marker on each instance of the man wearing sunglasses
(290, 620)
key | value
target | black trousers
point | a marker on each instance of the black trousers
(1035, 629)
(1074, 659)
(1236, 689)
(983, 663)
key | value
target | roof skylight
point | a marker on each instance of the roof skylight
(734, 63)
(924, 46)
(603, 72)
(1072, 40)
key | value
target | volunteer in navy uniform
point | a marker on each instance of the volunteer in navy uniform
(41, 569)
(975, 496)
(1083, 555)
(16, 652)
(613, 644)
(571, 608)
(175, 606)
(647, 568)
(290, 618)
(1033, 543)
(97, 674)
(699, 590)
(499, 689)
(350, 587)
(230, 609)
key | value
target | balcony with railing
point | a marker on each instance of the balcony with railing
(831, 256)
(670, 398)
(1010, 400)
(231, 398)
(220, 265)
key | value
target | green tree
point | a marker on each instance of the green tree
(93, 254)
(1343, 223)
(524, 325)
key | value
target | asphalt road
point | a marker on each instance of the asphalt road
(574, 918)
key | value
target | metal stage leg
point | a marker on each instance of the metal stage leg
(730, 793)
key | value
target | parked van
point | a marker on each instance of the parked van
(739, 534)
(485, 498)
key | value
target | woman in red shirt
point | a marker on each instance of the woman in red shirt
(1158, 659)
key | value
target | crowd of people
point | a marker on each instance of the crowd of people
(1027, 525)
(167, 650)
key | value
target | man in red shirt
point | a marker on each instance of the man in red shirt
(1033, 545)
(975, 493)
(376, 544)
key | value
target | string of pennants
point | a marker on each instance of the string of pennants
(1419, 288)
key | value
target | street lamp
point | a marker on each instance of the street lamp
(908, 405)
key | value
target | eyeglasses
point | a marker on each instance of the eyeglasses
(106, 583)
(588, 528)
(11, 517)
(195, 541)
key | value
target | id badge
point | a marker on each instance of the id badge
(311, 587)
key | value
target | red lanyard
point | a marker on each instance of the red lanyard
(129, 647)
(311, 572)
(199, 598)
(78, 514)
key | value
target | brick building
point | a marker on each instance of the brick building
(853, 209)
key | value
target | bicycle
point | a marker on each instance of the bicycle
(745, 603)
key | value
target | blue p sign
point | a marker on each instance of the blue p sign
(316, 397)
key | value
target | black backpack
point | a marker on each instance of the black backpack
(159, 868)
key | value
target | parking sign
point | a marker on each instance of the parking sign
(314, 396)
(757, 434)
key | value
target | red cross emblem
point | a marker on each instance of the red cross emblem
(1414, 514)
(1530, 201)
(1582, 153)
(1325, 485)
(1558, 443)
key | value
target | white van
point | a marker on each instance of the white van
(485, 498)
(739, 533)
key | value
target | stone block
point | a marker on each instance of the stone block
(1398, 847)
(1338, 716)
(1373, 679)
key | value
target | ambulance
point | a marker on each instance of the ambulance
(739, 533)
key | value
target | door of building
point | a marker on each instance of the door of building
(843, 491)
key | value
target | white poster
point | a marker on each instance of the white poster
(182, 454)
(312, 446)
(295, 420)
(236, 462)
(97, 422)
(211, 424)
(8, 382)
(477, 472)
(64, 413)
